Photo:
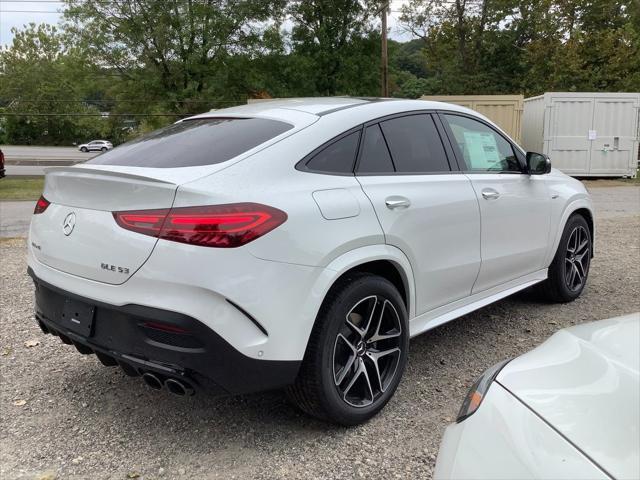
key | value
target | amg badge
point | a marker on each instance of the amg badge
(114, 268)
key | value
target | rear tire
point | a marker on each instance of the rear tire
(357, 352)
(569, 269)
(84, 149)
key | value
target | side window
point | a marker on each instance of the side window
(375, 156)
(415, 144)
(482, 148)
(338, 157)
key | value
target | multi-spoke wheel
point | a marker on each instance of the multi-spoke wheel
(570, 267)
(357, 351)
(367, 351)
(577, 258)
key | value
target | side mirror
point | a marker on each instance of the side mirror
(538, 164)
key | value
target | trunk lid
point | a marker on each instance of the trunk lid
(94, 246)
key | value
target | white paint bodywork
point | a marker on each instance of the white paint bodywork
(334, 223)
(568, 409)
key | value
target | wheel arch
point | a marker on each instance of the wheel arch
(581, 206)
(588, 216)
(385, 260)
(386, 269)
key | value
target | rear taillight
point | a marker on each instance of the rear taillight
(221, 226)
(41, 205)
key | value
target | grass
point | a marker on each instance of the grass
(21, 188)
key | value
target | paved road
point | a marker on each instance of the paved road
(15, 218)
(28, 160)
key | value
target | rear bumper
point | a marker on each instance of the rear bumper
(142, 339)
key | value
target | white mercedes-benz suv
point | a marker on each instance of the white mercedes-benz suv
(300, 244)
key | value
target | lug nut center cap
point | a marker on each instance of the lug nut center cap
(361, 349)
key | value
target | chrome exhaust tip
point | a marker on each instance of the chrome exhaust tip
(179, 388)
(152, 381)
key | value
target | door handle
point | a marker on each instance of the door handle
(490, 194)
(397, 202)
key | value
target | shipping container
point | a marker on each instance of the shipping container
(585, 134)
(504, 110)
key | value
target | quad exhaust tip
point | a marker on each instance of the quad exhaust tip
(152, 381)
(178, 388)
(175, 386)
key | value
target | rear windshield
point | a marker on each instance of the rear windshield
(194, 142)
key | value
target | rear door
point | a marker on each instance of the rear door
(426, 209)
(514, 207)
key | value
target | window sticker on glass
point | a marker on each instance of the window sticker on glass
(482, 149)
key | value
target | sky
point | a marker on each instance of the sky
(16, 13)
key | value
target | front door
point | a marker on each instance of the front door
(425, 209)
(514, 207)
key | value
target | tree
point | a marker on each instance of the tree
(175, 51)
(42, 76)
(332, 43)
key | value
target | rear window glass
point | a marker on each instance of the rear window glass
(194, 142)
(338, 157)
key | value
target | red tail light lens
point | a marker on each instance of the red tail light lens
(221, 226)
(41, 205)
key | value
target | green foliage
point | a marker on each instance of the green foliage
(334, 39)
(148, 63)
(42, 78)
(528, 46)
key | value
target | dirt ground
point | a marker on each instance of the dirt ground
(63, 415)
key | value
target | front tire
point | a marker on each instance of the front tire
(357, 352)
(103, 149)
(569, 269)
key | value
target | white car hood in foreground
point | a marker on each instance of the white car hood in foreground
(584, 382)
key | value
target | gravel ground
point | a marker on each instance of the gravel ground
(63, 415)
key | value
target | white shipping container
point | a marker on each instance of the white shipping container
(585, 134)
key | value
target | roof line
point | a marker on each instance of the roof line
(365, 100)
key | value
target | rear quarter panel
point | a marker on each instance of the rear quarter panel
(310, 236)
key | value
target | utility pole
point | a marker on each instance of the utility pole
(384, 58)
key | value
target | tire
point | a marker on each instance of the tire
(351, 370)
(103, 149)
(84, 149)
(569, 269)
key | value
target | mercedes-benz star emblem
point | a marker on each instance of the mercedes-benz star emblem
(69, 224)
